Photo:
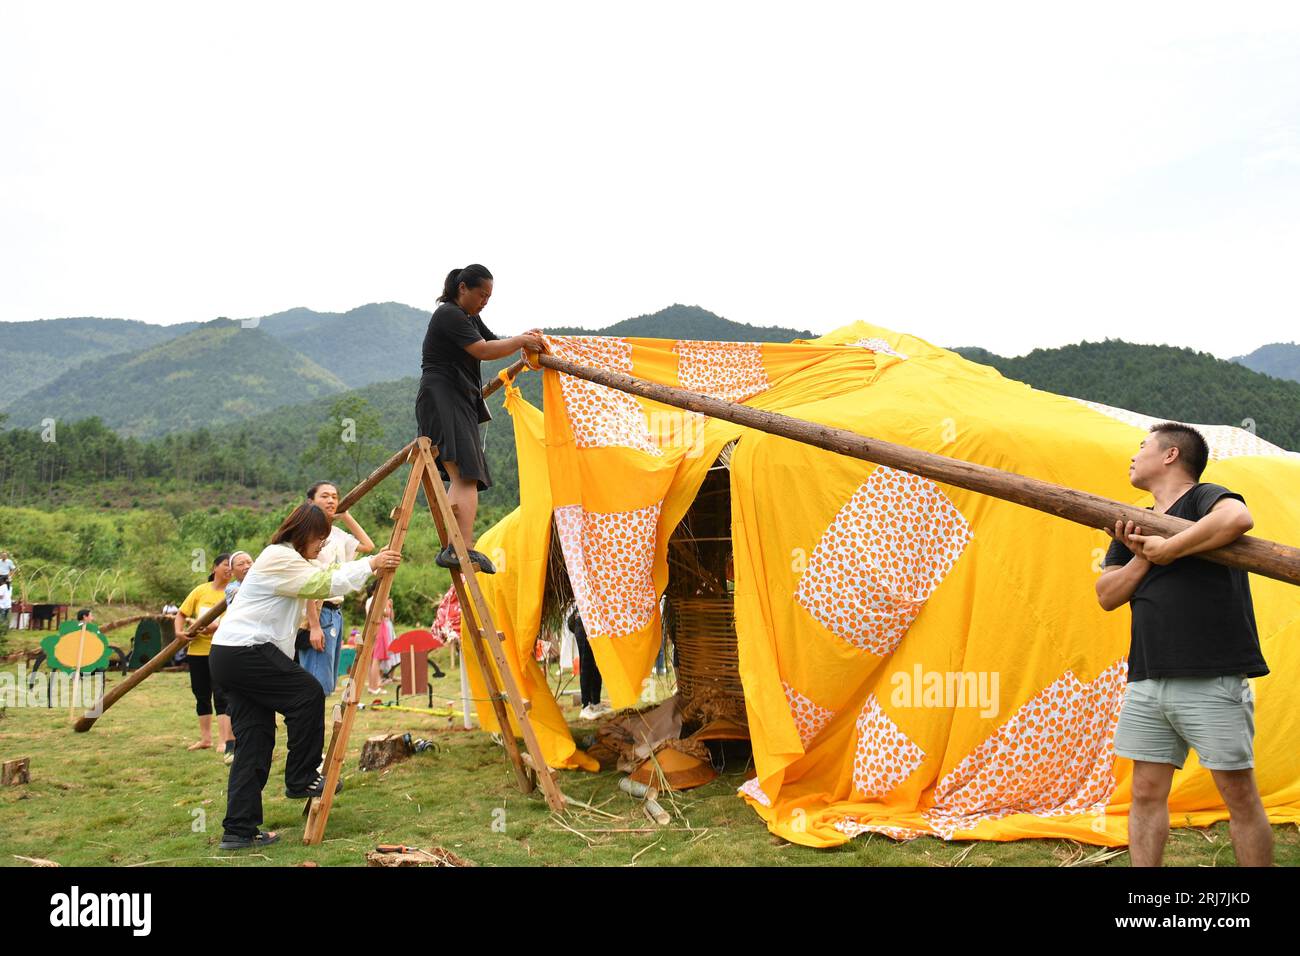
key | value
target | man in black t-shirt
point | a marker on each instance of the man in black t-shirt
(1194, 645)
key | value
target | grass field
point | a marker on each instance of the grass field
(128, 793)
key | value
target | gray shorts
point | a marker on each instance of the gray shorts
(1163, 716)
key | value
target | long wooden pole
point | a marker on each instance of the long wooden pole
(398, 459)
(1267, 558)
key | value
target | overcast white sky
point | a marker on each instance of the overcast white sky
(1007, 175)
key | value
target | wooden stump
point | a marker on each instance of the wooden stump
(385, 749)
(13, 772)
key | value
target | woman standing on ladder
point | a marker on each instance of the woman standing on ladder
(449, 406)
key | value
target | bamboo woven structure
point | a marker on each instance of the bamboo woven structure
(701, 610)
(708, 663)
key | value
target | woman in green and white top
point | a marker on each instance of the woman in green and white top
(252, 659)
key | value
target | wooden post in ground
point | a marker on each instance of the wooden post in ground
(381, 750)
(15, 772)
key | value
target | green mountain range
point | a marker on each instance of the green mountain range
(1281, 360)
(195, 376)
(373, 343)
(33, 353)
(216, 373)
(1161, 381)
(692, 322)
(379, 342)
(382, 341)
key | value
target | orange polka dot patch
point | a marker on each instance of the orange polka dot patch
(881, 558)
(728, 370)
(885, 756)
(599, 416)
(809, 718)
(1054, 757)
(610, 559)
(853, 827)
(750, 788)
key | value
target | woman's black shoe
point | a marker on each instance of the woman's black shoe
(447, 559)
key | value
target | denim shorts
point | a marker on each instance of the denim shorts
(1165, 716)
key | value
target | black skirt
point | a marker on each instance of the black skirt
(449, 415)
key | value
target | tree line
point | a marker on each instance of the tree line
(35, 461)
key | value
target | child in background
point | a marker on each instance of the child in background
(383, 638)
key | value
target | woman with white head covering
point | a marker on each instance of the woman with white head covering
(240, 562)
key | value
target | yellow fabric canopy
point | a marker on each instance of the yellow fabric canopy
(917, 659)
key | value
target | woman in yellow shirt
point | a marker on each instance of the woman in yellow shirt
(206, 694)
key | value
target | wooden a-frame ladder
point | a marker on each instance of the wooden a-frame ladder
(484, 638)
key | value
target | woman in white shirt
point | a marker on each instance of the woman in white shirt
(252, 660)
(324, 621)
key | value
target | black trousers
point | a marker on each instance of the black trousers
(589, 681)
(206, 691)
(259, 682)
